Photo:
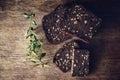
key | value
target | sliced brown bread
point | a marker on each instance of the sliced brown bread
(80, 22)
(53, 31)
(70, 18)
(80, 62)
(66, 57)
(63, 57)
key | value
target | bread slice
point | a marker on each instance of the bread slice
(80, 22)
(80, 62)
(52, 30)
(66, 57)
(63, 57)
(73, 19)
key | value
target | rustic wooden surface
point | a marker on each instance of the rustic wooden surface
(105, 46)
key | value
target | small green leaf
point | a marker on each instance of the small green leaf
(26, 15)
(35, 38)
(34, 22)
(33, 61)
(36, 65)
(30, 35)
(33, 14)
(33, 33)
(41, 42)
(44, 63)
(37, 48)
(35, 44)
(29, 29)
(33, 53)
(41, 55)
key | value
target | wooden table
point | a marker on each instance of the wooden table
(105, 46)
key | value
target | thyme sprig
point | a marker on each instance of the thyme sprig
(35, 45)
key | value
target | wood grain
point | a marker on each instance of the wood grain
(105, 46)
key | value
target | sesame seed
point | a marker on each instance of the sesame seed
(75, 22)
(77, 15)
(54, 38)
(58, 16)
(77, 31)
(60, 58)
(91, 27)
(85, 21)
(78, 18)
(60, 32)
(57, 54)
(71, 50)
(74, 65)
(57, 20)
(85, 14)
(53, 28)
(82, 55)
(71, 19)
(76, 61)
(80, 73)
(65, 26)
(97, 23)
(58, 28)
(81, 14)
(77, 6)
(85, 34)
(68, 28)
(58, 39)
(74, 11)
(56, 63)
(67, 55)
(90, 36)
(90, 30)
(72, 46)
(95, 30)
(59, 64)
(82, 63)
(63, 29)
(65, 60)
(48, 30)
(66, 67)
(74, 18)
(73, 31)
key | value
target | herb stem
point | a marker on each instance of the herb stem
(35, 45)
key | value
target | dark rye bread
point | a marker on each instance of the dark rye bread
(51, 25)
(70, 18)
(80, 62)
(63, 57)
(80, 22)
(80, 59)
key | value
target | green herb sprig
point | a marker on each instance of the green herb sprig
(35, 45)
